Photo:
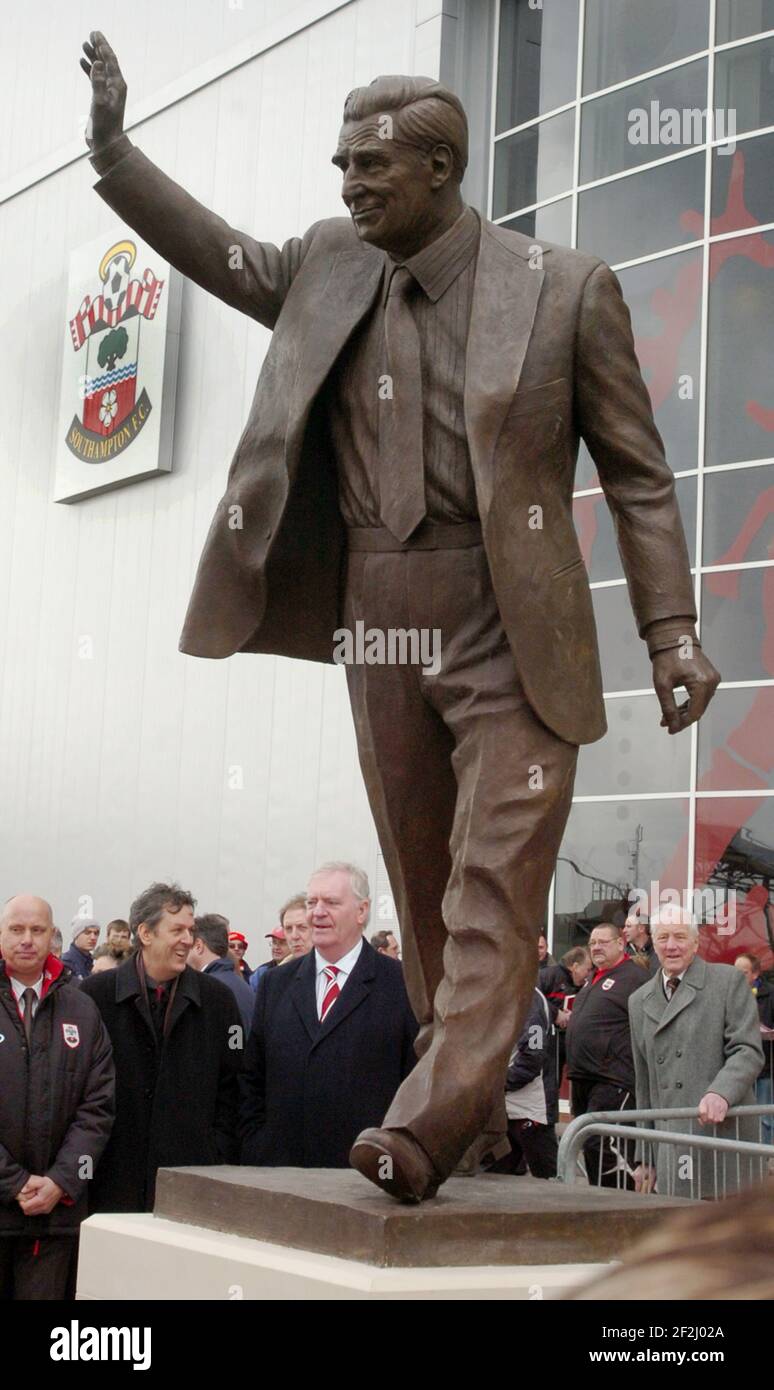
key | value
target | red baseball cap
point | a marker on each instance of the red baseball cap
(237, 936)
(277, 933)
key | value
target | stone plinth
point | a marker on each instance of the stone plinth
(484, 1221)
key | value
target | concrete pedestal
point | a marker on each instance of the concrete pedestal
(231, 1233)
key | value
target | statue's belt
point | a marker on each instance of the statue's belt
(431, 535)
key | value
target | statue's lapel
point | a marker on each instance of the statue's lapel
(344, 299)
(505, 298)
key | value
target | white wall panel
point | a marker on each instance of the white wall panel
(120, 766)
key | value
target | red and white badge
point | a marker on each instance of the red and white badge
(71, 1035)
(608, 983)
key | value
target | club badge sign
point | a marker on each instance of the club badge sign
(120, 366)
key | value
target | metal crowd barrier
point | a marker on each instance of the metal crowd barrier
(699, 1165)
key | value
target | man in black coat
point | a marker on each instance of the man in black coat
(179, 1042)
(332, 1037)
(209, 954)
(600, 1063)
(57, 1090)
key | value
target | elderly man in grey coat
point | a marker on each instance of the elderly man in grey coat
(696, 1042)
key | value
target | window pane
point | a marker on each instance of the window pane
(740, 403)
(610, 847)
(736, 19)
(744, 84)
(736, 741)
(739, 516)
(538, 60)
(624, 655)
(737, 623)
(596, 534)
(735, 851)
(665, 301)
(743, 186)
(533, 165)
(624, 37)
(625, 128)
(636, 754)
(645, 212)
(551, 223)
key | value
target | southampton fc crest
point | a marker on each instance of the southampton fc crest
(107, 329)
(120, 345)
(71, 1035)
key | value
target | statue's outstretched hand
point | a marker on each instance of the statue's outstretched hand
(108, 92)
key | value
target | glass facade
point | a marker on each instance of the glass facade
(644, 133)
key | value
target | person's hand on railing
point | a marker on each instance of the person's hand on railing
(644, 1178)
(712, 1109)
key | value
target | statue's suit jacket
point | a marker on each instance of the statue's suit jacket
(550, 358)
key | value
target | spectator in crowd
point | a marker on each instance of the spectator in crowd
(57, 944)
(386, 943)
(178, 1046)
(209, 954)
(544, 955)
(560, 984)
(107, 957)
(638, 940)
(599, 1052)
(237, 943)
(84, 935)
(57, 1090)
(750, 967)
(332, 1036)
(298, 935)
(531, 1098)
(293, 911)
(696, 1042)
(117, 933)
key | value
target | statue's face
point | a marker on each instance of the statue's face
(390, 188)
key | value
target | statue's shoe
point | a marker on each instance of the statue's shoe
(396, 1163)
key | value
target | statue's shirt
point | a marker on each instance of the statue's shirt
(441, 306)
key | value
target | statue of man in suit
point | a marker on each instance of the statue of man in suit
(408, 464)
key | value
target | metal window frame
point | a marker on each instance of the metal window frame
(704, 243)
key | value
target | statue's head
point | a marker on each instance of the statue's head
(403, 149)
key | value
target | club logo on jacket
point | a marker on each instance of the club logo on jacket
(608, 983)
(70, 1034)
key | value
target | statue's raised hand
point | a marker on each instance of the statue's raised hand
(108, 92)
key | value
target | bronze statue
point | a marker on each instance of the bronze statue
(408, 464)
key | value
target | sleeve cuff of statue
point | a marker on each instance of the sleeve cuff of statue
(661, 637)
(105, 159)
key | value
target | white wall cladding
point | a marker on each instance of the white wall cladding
(115, 769)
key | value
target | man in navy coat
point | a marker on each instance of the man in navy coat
(332, 1037)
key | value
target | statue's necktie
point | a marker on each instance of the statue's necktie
(401, 458)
